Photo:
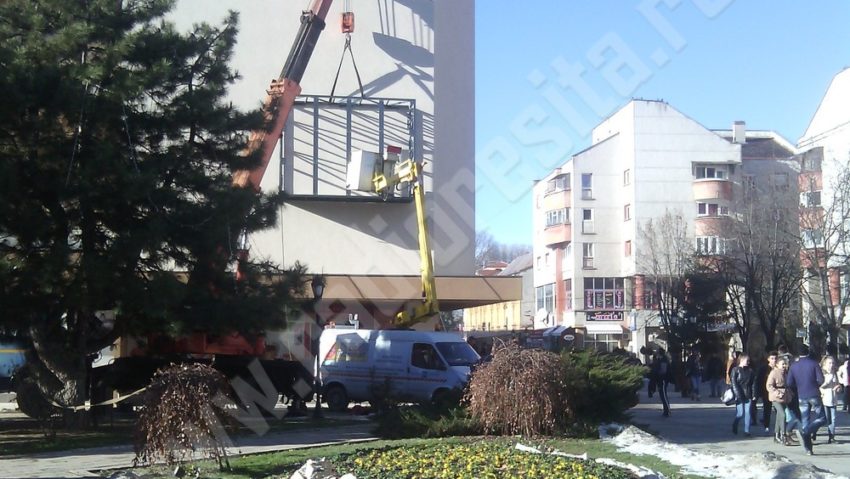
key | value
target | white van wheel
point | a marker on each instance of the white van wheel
(337, 398)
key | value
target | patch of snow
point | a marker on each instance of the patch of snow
(706, 464)
(317, 469)
(641, 472)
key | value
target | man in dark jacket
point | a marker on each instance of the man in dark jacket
(805, 377)
(714, 371)
(763, 371)
(742, 381)
(663, 375)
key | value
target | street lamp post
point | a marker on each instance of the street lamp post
(318, 286)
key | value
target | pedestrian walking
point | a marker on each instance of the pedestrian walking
(742, 380)
(764, 371)
(775, 386)
(844, 380)
(694, 372)
(714, 373)
(652, 387)
(829, 391)
(663, 376)
(805, 377)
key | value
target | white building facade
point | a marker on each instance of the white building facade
(825, 154)
(646, 160)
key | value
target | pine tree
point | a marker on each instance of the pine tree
(117, 150)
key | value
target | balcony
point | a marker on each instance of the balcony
(557, 200)
(711, 189)
(810, 181)
(557, 234)
(711, 225)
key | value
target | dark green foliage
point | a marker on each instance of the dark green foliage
(600, 386)
(447, 417)
(117, 151)
(184, 414)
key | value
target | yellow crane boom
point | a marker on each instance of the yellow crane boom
(408, 171)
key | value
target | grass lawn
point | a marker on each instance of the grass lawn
(23, 436)
(282, 464)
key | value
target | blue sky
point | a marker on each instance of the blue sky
(548, 70)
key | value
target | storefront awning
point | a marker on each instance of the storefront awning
(454, 292)
(604, 328)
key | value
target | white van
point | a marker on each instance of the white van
(415, 366)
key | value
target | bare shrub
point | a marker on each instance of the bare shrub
(520, 391)
(184, 414)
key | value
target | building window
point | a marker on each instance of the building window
(712, 209)
(780, 180)
(545, 296)
(546, 259)
(587, 255)
(538, 262)
(604, 293)
(557, 217)
(627, 177)
(710, 172)
(558, 183)
(627, 212)
(568, 295)
(811, 163)
(628, 249)
(587, 221)
(603, 343)
(810, 199)
(710, 245)
(586, 186)
(650, 298)
(812, 238)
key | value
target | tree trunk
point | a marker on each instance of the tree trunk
(61, 376)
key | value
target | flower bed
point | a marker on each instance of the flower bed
(483, 459)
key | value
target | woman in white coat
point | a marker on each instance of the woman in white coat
(844, 380)
(828, 391)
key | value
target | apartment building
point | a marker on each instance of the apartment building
(646, 160)
(824, 157)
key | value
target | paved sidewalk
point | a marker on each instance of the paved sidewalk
(707, 426)
(79, 463)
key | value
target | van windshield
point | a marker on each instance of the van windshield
(458, 353)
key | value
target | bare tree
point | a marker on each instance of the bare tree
(825, 242)
(667, 259)
(760, 264)
(488, 249)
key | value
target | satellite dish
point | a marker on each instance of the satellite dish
(542, 316)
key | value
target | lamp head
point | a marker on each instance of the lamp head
(317, 284)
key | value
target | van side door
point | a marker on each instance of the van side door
(427, 371)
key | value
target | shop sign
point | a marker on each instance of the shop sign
(605, 316)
